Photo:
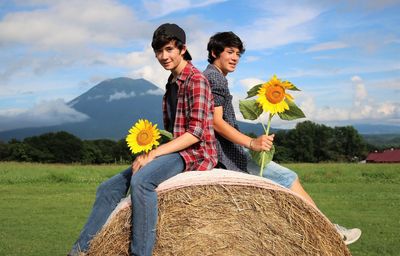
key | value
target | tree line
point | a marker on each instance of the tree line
(63, 147)
(307, 142)
(312, 143)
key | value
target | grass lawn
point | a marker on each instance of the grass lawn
(44, 206)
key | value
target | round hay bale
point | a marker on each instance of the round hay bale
(223, 212)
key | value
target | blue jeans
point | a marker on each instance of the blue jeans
(273, 171)
(144, 201)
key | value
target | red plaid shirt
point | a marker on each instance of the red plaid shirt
(194, 114)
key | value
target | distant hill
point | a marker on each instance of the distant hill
(377, 129)
(383, 140)
(115, 104)
(112, 106)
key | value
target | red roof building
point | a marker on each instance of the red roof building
(387, 156)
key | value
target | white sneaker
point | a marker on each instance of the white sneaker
(349, 236)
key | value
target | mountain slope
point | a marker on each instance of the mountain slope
(112, 106)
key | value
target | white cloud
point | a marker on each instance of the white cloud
(249, 59)
(327, 46)
(164, 7)
(71, 24)
(360, 92)
(388, 84)
(45, 113)
(121, 95)
(368, 66)
(142, 64)
(65, 34)
(283, 25)
(364, 108)
(388, 109)
(154, 92)
(249, 83)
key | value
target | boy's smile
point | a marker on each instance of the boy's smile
(228, 59)
(170, 57)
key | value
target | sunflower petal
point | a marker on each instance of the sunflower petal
(143, 136)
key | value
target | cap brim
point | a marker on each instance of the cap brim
(187, 55)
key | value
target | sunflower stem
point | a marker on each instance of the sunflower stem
(269, 123)
(262, 164)
(265, 130)
(266, 133)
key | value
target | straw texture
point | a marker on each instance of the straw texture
(223, 212)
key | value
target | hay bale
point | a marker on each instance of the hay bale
(226, 213)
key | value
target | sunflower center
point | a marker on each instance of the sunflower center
(275, 94)
(144, 137)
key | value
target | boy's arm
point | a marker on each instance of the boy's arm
(178, 144)
(175, 145)
(224, 129)
(199, 93)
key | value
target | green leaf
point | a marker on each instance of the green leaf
(257, 156)
(250, 109)
(253, 91)
(167, 134)
(294, 112)
(294, 88)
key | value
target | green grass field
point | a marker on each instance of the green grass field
(44, 206)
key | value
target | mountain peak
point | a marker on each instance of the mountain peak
(116, 89)
(112, 107)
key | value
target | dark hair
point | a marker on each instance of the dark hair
(160, 39)
(220, 41)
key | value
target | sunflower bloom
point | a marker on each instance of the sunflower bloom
(143, 136)
(272, 95)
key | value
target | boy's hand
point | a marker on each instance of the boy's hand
(142, 160)
(262, 143)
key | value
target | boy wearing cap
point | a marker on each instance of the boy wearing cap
(188, 115)
(224, 52)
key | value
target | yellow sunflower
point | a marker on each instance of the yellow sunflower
(143, 136)
(272, 95)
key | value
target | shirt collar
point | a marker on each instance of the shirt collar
(211, 66)
(184, 74)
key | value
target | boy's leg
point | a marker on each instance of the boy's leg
(108, 195)
(289, 179)
(273, 171)
(298, 188)
(283, 176)
(144, 200)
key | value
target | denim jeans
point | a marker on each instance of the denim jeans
(144, 201)
(273, 171)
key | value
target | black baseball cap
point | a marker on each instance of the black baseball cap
(173, 30)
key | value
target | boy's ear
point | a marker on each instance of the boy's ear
(213, 54)
(183, 50)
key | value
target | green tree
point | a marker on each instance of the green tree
(60, 147)
(18, 151)
(91, 154)
(301, 142)
(349, 144)
(4, 151)
(106, 148)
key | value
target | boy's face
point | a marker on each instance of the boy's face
(170, 56)
(227, 60)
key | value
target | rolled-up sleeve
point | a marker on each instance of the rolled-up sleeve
(200, 98)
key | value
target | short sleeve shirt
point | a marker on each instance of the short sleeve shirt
(231, 155)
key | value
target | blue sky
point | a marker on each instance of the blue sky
(343, 55)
